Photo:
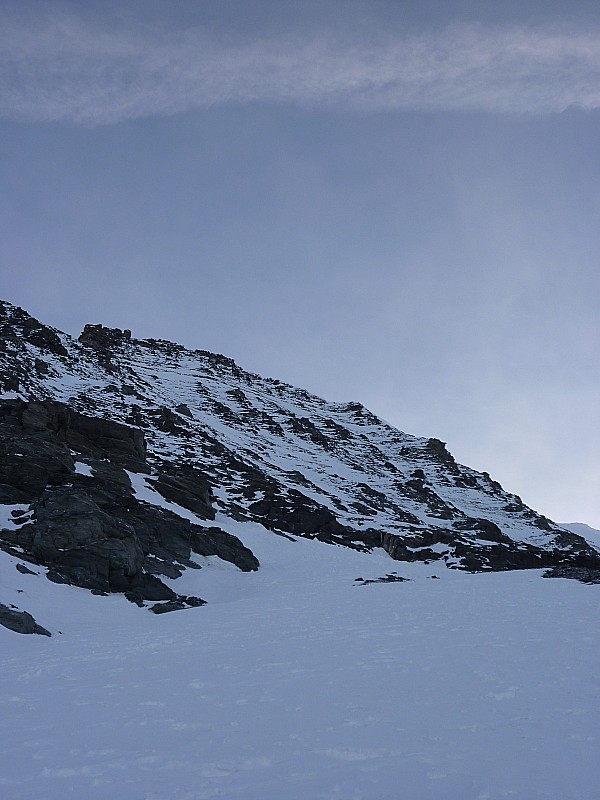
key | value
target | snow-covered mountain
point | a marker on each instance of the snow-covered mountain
(581, 529)
(119, 453)
(350, 643)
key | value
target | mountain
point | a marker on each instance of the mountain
(369, 625)
(126, 462)
(581, 529)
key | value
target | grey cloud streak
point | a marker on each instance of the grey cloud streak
(65, 70)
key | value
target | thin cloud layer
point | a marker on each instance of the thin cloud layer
(65, 70)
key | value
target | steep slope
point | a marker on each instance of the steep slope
(118, 451)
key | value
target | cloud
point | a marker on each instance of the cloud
(66, 70)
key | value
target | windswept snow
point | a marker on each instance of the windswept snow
(296, 682)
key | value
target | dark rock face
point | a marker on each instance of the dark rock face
(177, 605)
(583, 574)
(216, 542)
(16, 323)
(496, 553)
(91, 531)
(100, 338)
(83, 543)
(44, 433)
(391, 577)
(187, 487)
(20, 621)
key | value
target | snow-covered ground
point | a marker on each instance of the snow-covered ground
(297, 683)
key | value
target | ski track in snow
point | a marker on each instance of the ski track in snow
(295, 682)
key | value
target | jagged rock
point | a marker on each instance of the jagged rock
(214, 541)
(483, 528)
(25, 570)
(391, 577)
(168, 421)
(583, 574)
(20, 621)
(296, 513)
(104, 438)
(48, 430)
(15, 324)
(83, 543)
(177, 605)
(100, 338)
(188, 487)
(149, 587)
(92, 531)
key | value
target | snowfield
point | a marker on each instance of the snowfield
(297, 682)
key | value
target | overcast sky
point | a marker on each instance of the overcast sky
(397, 203)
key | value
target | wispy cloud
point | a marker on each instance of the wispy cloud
(64, 69)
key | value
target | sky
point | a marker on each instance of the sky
(390, 202)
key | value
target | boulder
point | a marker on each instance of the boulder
(20, 621)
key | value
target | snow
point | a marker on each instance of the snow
(296, 682)
(83, 469)
(7, 517)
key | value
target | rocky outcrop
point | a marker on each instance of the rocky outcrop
(86, 524)
(81, 543)
(100, 338)
(485, 548)
(20, 621)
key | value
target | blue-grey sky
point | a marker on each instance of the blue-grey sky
(397, 203)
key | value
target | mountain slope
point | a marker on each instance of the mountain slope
(317, 669)
(118, 453)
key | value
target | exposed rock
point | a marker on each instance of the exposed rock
(92, 531)
(391, 577)
(168, 421)
(583, 574)
(25, 570)
(188, 487)
(293, 512)
(216, 542)
(83, 543)
(20, 621)
(177, 605)
(15, 324)
(100, 338)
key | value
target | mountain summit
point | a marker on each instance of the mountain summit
(127, 462)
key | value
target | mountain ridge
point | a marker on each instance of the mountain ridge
(151, 441)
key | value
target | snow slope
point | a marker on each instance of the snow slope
(298, 682)
(592, 535)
